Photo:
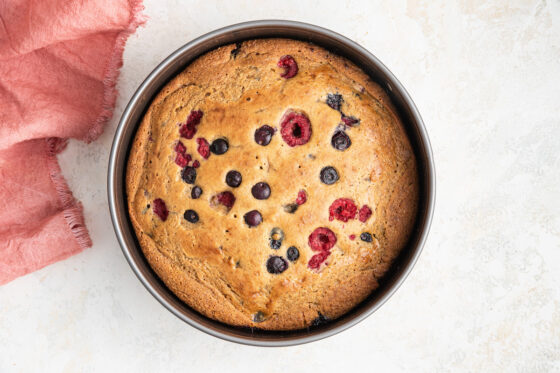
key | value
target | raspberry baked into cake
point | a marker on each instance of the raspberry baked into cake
(271, 184)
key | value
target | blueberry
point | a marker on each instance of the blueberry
(340, 141)
(233, 179)
(236, 50)
(334, 100)
(196, 192)
(292, 253)
(366, 237)
(191, 216)
(329, 175)
(261, 190)
(259, 316)
(276, 238)
(290, 208)
(320, 320)
(253, 218)
(263, 135)
(275, 244)
(277, 234)
(188, 175)
(219, 146)
(276, 264)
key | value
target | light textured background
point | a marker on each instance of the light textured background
(485, 294)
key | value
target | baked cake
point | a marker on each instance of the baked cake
(271, 184)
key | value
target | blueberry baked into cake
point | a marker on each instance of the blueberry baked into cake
(271, 184)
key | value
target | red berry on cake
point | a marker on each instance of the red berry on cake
(301, 197)
(180, 148)
(160, 209)
(350, 121)
(364, 214)
(318, 259)
(226, 199)
(322, 239)
(342, 209)
(203, 147)
(289, 65)
(188, 129)
(182, 159)
(295, 128)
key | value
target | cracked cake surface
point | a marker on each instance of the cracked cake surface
(271, 184)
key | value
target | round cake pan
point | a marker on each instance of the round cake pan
(175, 63)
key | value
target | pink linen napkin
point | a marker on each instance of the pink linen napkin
(59, 61)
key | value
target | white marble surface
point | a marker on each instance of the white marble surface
(485, 294)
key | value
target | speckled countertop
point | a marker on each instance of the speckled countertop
(485, 294)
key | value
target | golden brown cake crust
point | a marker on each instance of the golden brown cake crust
(218, 265)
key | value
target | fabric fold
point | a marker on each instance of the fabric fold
(59, 63)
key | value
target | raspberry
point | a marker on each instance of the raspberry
(196, 164)
(342, 209)
(226, 198)
(350, 121)
(203, 147)
(160, 209)
(352, 237)
(322, 239)
(295, 128)
(180, 148)
(194, 117)
(318, 259)
(289, 65)
(188, 129)
(182, 159)
(301, 197)
(364, 214)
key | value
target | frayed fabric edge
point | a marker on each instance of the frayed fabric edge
(73, 210)
(113, 69)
